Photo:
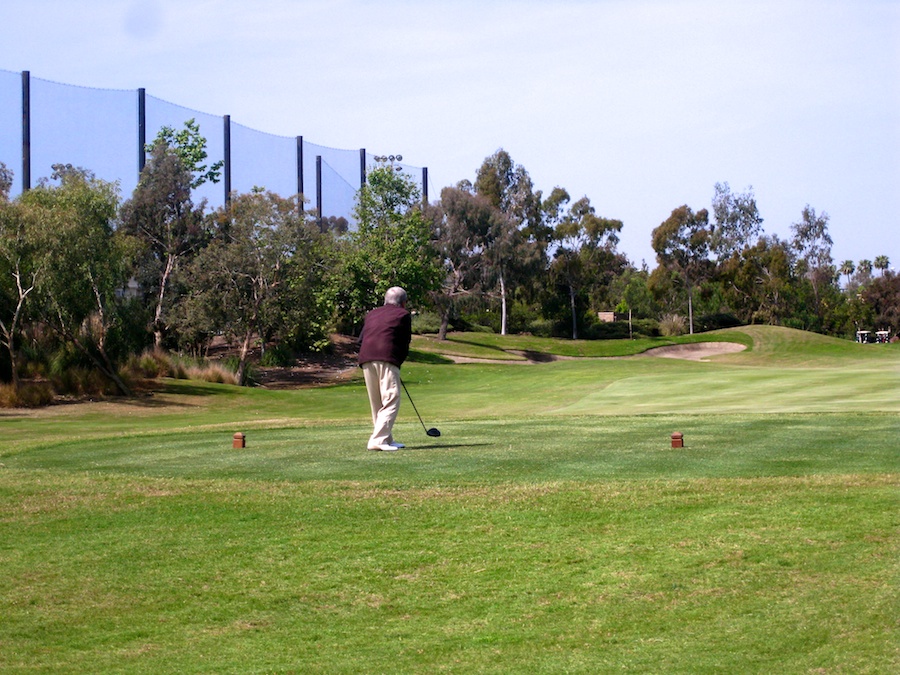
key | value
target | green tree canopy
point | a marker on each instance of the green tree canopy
(759, 283)
(257, 276)
(464, 235)
(163, 218)
(585, 250)
(6, 181)
(22, 252)
(682, 245)
(515, 244)
(83, 264)
(737, 223)
(391, 246)
(811, 243)
(190, 147)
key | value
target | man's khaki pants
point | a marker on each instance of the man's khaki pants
(383, 385)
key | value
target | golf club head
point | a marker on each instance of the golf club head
(434, 433)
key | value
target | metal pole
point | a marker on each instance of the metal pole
(425, 184)
(300, 171)
(362, 167)
(227, 158)
(142, 130)
(26, 130)
(319, 190)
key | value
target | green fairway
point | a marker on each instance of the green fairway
(551, 528)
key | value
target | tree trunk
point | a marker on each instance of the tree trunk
(242, 362)
(157, 317)
(9, 335)
(9, 338)
(574, 315)
(502, 305)
(112, 372)
(12, 363)
(691, 310)
(445, 323)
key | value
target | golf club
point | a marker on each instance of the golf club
(434, 433)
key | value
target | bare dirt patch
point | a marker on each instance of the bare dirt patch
(313, 370)
(697, 351)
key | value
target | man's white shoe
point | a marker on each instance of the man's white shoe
(384, 448)
(397, 445)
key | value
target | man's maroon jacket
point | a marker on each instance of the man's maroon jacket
(386, 334)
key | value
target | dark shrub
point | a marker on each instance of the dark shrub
(716, 321)
(278, 356)
(613, 330)
(426, 322)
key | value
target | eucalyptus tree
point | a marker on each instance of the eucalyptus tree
(21, 264)
(737, 224)
(568, 266)
(83, 263)
(553, 209)
(585, 249)
(631, 294)
(682, 245)
(259, 277)
(508, 187)
(759, 283)
(508, 257)
(6, 181)
(162, 216)
(517, 243)
(190, 147)
(631, 288)
(464, 224)
(812, 244)
(393, 245)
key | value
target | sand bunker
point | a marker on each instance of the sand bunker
(697, 351)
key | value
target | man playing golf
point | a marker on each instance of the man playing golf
(384, 346)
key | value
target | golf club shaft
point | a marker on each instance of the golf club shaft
(413, 405)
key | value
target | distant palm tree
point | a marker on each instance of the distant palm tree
(882, 263)
(865, 269)
(848, 268)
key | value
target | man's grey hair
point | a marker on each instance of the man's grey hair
(395, 296)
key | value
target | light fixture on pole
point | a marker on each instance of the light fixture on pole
(388, 160)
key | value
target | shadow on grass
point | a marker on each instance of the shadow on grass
(475, 343)
(443, 446)
(150, 402)
(538, 357)
(416, 356)
(183, 387)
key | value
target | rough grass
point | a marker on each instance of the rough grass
(105, 573)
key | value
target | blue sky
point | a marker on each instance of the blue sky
(642, 105)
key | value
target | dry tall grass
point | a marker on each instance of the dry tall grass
(155, 363)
